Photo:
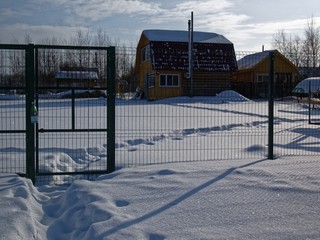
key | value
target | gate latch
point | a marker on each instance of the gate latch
(34, 113)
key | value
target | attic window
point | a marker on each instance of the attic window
(145, 53)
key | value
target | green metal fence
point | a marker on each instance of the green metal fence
(60, 85)
(93, 125)
(13, 130)
(238, 122)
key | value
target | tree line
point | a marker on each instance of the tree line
(52, 60)
(304, 50)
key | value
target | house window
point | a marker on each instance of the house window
(262, 78)
(283, 77)
(150, 80)
(169, 80)
(145, 53)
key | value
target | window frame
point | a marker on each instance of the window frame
(264, 76)
(172, 85)
(145, 53)
(151, 80)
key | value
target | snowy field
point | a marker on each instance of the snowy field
(186, 169)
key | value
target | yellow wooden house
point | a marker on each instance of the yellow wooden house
(251, 79)
(162, 62)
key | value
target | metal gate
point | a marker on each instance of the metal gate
(68, 105)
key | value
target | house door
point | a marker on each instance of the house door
(283, 84)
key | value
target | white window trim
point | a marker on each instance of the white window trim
(167, 86)
(148, 79)
(145, 53)
(262, 75)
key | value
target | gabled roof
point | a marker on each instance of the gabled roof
(252, 60)
(207, 57)
(309, 71)
(182, 36)
(211, 52)
(79, 75)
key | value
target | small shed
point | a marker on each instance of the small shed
(77, 78)
(162, 62)
(252, 77)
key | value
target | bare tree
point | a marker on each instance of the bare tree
(296, 51)
(289, 46)
(102, 39)
(302, 52)
(80, 58)
(280, 41)
(27, 38)
(311, 46)
(17, 68)
(48, 62)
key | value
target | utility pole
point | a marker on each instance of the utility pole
(190, 53)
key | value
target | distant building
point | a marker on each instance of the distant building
(162, 64)
(252, 77)
(77, 79)
(307, 72)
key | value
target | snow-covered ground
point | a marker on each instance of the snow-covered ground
(212, 181)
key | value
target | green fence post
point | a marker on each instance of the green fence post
(30, 126)
(309, 103)
(111, 78)
(271, 105)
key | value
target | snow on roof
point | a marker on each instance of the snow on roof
(207, 57)
(303, 87)
(182, 36)
(251, 60)
(77, 75)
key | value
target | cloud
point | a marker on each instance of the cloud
(153, 12)
(127, 18)
(7, 13)
(257, 34)
(17, 32)
(209, 6)
(203, 12)
(95, 10)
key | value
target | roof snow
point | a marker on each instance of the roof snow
(84, 75)
(252, 60)
(183, 36)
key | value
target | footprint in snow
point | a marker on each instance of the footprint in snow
(121, 203)
(132, 149)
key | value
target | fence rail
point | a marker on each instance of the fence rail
(77, 135)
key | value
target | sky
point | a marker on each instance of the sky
(249, 24)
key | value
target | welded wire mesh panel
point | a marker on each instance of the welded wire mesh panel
(221, 114)
(216, 115)
(293, 133)
(66, 156)
(12, 110)
(314, 112)
(72, 127)
(12, 153)
(189, 129)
